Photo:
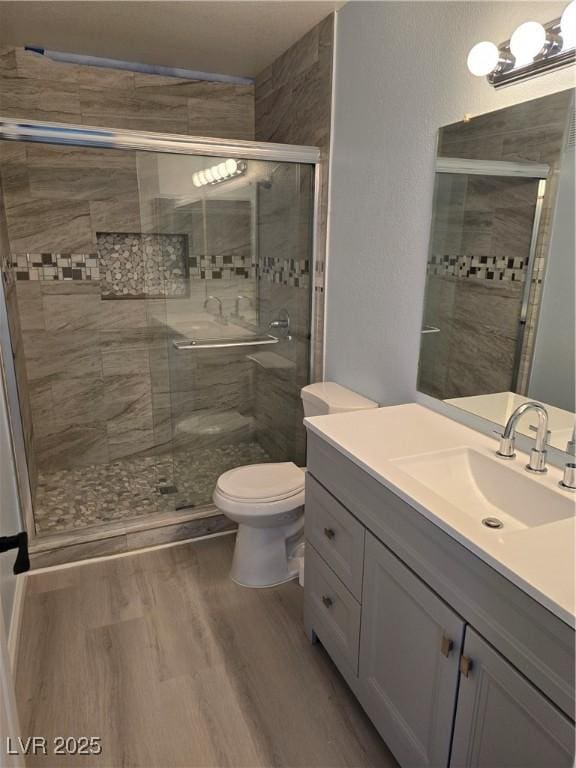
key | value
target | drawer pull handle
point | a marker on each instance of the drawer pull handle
(465, 665)
(446, 646)
(327, 601)
(329, 533)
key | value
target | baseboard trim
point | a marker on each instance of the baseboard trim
(16, 620)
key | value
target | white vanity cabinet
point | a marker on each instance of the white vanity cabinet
(454, 664)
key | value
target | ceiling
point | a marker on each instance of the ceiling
(235, 38)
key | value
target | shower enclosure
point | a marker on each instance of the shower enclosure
(158, 293)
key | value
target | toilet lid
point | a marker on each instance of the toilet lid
(262, 482)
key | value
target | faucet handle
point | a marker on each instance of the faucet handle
(506, 447)
(537, 461)
(568, 482)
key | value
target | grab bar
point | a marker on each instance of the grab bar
(256, 341)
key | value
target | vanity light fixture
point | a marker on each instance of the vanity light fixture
(532, 50)
(224, 171)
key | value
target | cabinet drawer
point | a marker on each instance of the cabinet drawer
(335, 534)
(332, 611)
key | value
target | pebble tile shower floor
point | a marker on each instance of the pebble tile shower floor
(104, 493)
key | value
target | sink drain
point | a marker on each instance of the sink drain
(492, 522)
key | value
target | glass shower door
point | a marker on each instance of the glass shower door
(232, 261)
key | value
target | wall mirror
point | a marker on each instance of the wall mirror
(499, 312)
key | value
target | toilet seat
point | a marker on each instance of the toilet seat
(262, 483)
(260, 490)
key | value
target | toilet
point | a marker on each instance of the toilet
(267, 500)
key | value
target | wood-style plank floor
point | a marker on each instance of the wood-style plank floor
(171, 664)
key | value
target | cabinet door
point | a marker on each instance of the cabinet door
(502, 720)
(410, 644)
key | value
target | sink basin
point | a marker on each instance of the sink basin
(483, 487)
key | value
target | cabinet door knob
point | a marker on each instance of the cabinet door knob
(446, 645)
(329, 533)
(327, 601)
(465, 665)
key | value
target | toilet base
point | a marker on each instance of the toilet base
(261, 556)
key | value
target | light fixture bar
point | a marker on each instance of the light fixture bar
(551, 57)
(532, 50)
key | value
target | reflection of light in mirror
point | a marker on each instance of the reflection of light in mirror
(229, 169)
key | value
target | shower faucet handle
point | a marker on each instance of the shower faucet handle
(281, 322)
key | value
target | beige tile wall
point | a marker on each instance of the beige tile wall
(34, 87)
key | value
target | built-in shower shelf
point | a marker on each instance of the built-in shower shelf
(254, 341)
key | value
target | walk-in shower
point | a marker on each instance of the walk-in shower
(158, 291)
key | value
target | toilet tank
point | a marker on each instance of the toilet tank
(328, 397)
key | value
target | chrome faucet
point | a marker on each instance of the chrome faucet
(537, 461)
(220, 308)
(240, 298)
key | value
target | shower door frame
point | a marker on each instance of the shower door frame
(68, 134)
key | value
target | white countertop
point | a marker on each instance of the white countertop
(539, 560)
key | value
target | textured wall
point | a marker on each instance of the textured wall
(293, 106)
(400, 75)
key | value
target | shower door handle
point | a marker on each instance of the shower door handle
(225, 343)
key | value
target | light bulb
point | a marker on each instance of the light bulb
(483, 58)
(216, 173)
(231, 166)
(209, 175)
(202, 177)
(568, 26)
(223, 170)
(526, 42)
(195, 180)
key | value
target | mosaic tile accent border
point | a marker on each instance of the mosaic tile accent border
(291, 272)
(147, 265)
(56, 266)
(221, 267)
(478, 267)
